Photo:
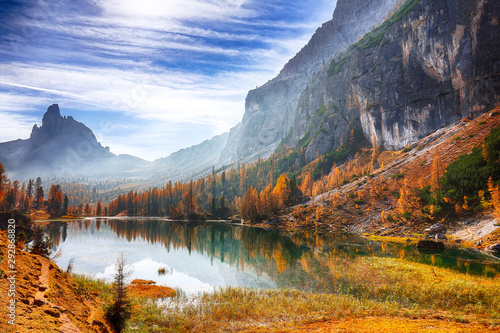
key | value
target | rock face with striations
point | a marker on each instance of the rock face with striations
(428, 65)
(270, 109)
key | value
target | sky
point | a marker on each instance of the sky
(148, 77)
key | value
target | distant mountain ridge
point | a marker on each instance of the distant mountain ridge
(61, 147)
(65, 148)
(394, 71)
(191, 162)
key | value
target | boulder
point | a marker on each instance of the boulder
(495, 248)
(436, 228)
(52, 313)
(440, 236)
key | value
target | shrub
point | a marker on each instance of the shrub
(466, 176)
(469, 174)
(41, 245)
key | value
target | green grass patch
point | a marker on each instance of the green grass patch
(86, 286)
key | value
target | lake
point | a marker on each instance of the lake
(201, 256)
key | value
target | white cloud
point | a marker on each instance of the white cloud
(176, 9)
(14, 126)
(123, 61)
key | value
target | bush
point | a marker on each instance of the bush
(466, 176)
(41, 245)
(469, 174)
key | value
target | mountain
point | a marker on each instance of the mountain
(420, 65)
(191, 162)
(389, 71)
(63, 147)
(270, 110)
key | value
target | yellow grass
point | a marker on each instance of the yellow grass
(398, 292)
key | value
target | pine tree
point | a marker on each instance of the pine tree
(41, 244)
(39, 195)
(119, 312)
(98, 210)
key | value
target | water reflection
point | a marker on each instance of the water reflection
(203, 255)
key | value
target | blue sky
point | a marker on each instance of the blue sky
(148, 77)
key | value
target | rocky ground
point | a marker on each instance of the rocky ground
(46, 297)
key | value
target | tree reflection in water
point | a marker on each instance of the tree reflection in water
(300, 259)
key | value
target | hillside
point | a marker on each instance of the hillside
(48, 300)
(360, 205)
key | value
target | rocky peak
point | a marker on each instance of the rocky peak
(65, 131)
(52, 115)
(52, 122)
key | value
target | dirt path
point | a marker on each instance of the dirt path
(54, 310)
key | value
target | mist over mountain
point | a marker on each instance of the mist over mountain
(390, 71)
(64, 147)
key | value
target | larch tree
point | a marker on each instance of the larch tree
(190, 200)
(437, 172)
(282, 191)
(266, 201)
(495, 198)
(250, 204)
(55, 200)
(307, 184)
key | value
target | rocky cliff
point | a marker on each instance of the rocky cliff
(270, 110)
(421, 65)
